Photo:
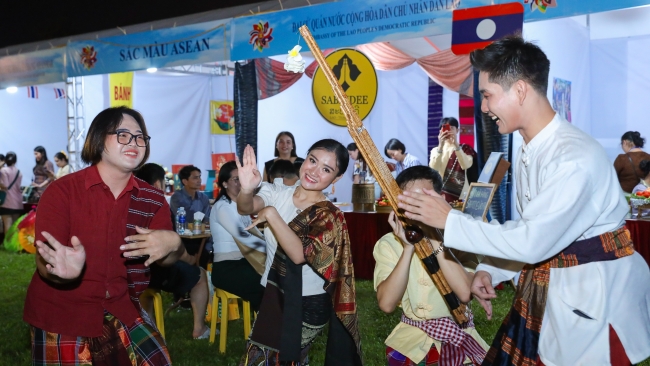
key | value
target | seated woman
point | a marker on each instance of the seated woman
(400, 278)
(396, 150)
(61, 160)
(309, 277)
(239, 255)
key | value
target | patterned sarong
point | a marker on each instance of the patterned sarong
(137, 345)
(456, 344)
(279, 333)
(394, 358)
(517, 341)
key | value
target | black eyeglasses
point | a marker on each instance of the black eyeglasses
(125, 138)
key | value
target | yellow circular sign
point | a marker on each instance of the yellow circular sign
(357, 77)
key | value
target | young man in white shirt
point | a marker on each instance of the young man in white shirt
(582, 296)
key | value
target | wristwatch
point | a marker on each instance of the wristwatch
(440, 249)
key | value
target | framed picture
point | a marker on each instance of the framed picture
(479, 199)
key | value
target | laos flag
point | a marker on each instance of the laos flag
(475, 28)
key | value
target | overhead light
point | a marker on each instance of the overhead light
(152, 70)
(12, 89)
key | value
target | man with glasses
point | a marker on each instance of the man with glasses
(97, 232)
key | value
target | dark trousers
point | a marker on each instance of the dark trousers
(239, 278)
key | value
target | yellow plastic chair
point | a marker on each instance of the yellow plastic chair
(224, 297)
(158, 311)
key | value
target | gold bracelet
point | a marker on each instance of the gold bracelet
(440, 249)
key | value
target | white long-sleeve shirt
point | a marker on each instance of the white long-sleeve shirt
(567, 190)
(226, 225)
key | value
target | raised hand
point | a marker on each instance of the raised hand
(442, 138)
(249, 176)
(398, 229)
(62, 261)
(483, 291)
(157, 244)
(428, 207)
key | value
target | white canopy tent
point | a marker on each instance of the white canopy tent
(602, 55)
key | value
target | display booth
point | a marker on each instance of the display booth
(597, 78)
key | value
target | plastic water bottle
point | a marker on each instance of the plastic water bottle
(197, 227)
(181, 221)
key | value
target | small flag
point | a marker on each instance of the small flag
(32, 92)
(475, 28)
(59, 93)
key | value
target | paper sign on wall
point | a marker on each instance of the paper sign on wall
(120, 89)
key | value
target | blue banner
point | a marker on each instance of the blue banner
(187, 45)
(34, 68)
(350, 23)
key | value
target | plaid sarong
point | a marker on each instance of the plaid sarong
(135, 345)
(394, 358)
(517, 341)
(456, 344)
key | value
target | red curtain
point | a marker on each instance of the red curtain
(446, 69)
(273, 79)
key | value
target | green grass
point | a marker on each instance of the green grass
(16, 271)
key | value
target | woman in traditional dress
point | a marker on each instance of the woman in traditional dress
(455, 162)
(43, 170)
(309, 277)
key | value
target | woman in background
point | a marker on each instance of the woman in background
(285, 149)
(627, 164)
(239, 255)
(61, 160)
(10, 180)
(396, 150)
(43, 170)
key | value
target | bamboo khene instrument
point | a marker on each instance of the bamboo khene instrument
(387, 183)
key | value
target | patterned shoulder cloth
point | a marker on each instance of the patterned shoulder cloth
(120, 344)
(517, 341)
(276, 335)
(326, 243)
(144, 205)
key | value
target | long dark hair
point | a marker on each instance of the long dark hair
(341, 153)
(353, 147)
(293, 143)
(41, 149)
(224, 176)
(634, 137)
